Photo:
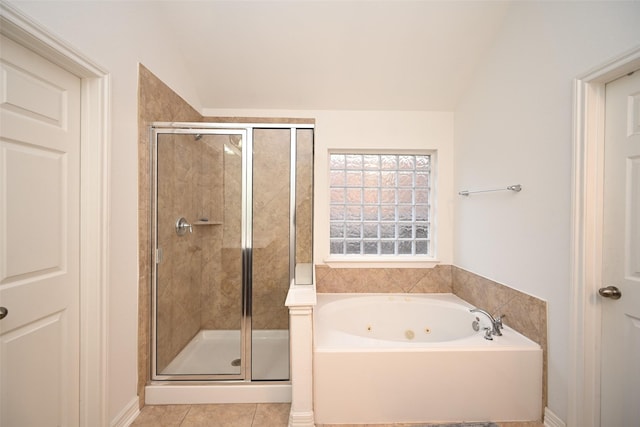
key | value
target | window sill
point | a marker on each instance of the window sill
(380, 262)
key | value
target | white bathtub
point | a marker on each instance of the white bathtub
(383, 358)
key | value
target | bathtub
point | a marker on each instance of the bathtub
(407, 358)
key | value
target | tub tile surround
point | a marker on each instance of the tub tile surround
(384, 280)
(524, 313)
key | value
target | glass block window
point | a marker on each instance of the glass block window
(379, 204)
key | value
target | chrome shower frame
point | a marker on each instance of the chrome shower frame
(246, 131)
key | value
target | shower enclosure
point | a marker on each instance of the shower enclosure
(231, 231)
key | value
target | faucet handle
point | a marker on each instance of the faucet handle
(488, 332)
(498, 324)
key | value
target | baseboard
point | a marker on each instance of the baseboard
(183, 394)
(552, 420)
(128, 414)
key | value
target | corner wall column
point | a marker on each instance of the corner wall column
(300, 301)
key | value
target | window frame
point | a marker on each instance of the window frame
(431, 257)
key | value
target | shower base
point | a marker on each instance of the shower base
(270, 366)
(218, 352)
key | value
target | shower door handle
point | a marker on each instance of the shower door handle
(182, 225)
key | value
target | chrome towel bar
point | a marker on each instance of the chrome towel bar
(516, 188)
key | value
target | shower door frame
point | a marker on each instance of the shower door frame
(246, 130)
(245, 239)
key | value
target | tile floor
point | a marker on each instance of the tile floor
(237, 415)
(227, 415)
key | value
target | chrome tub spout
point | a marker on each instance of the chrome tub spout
(496, 323)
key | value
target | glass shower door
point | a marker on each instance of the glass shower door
(199, 239)
(271, 253)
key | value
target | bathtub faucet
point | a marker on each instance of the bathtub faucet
(496, 323)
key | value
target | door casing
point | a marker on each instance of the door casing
(586, 236)
(94, 203)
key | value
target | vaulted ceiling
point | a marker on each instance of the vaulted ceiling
(332, 54)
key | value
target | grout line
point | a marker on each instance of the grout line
(185, 415)
(255, 411)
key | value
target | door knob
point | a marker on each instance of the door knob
(3, 312)
(610, 292)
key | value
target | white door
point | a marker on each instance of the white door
(39, 240)
(620, 373)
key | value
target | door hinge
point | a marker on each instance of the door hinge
(158, 255)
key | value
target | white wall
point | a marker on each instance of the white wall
(384, 130)
(514, 126)
(118, 35)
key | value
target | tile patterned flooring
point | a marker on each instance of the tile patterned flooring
(239, 415)
(222, 415)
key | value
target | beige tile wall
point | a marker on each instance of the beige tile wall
(189, 277)
(392, 280)
(178, 299)
(271, 176)
(304, 196)
(156, 102)
(221, 281)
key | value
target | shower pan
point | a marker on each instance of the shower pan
(231, 226)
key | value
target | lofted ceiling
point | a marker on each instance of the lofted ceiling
(332, 54)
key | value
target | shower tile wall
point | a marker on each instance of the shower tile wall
(222, 273)
(156, 102)
(189, 185)
(304, 196)
(271, 176)
(177, 292)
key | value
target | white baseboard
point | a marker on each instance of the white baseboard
(183, 394)
(128, 414)
(552, 420)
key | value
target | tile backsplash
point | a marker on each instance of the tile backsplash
(379, 280)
